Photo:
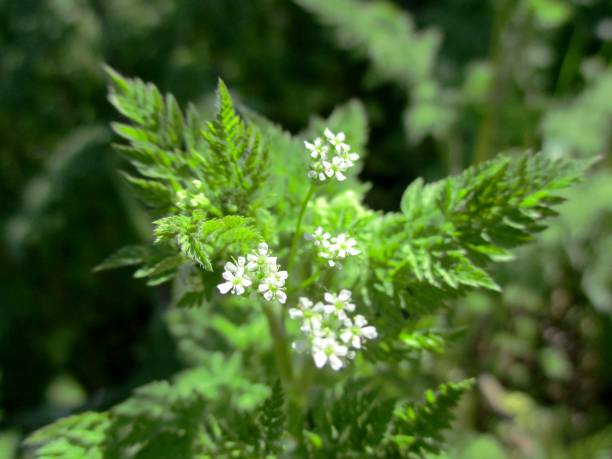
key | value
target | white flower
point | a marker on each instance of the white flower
(338, 304)
(346, 158)
(320, 237)
(309, 313)
(357, 330)
(328, 332)
(342, 245)
(338, 167)
(260, 268)
(236, 279)
(304, 306)
(337, 140)
(321, 170)
(272, 286)
(322, 165)
(260, 260)
(328, 256)
(317, 149)
(328, 351)
(333, 248)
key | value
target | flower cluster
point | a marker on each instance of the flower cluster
(333, 248)
(257, 267)
(331, 157)
(330, 333)
(190, 200)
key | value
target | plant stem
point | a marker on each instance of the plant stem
(571, 60)
(281, 347)
(296, 233)
(486, 134)
(311, 279)
(285, 369)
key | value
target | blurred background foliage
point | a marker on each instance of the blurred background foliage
(444, 84)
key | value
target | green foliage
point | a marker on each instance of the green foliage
(216, 189)
(74, 437)
(581, 126)
(199, 239)
(449, 231)
(181, 157)
(382, 33)
(417, 430)
(272, 419)
(226, 154)
(397, 52)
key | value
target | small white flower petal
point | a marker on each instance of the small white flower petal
(225, 287)
(369, 332)
(335, 362)
(320, 359)
(346, 336)
(341, 350)
(359, 321)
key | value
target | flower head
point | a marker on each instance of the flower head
(328, 351)
(334, 248)
(273, 286)
(310, 314)
(258, 266)
(336, 140)
(331, 157)
(317, 149)
(259, 259)
(328, 332)
(342, 245)
(357, 330)
(338, 304)
(236, 279)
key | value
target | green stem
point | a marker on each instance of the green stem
(284, 364)
(571, 60)
(486, 133)
(296, 234)
(281, 347)
(311, 279)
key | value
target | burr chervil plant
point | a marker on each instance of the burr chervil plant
(304, 320)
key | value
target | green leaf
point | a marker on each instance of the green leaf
(272, 419)
(81, 436)
(126, 256)
(417, 430)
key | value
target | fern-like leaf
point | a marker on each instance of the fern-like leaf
(417, 430)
